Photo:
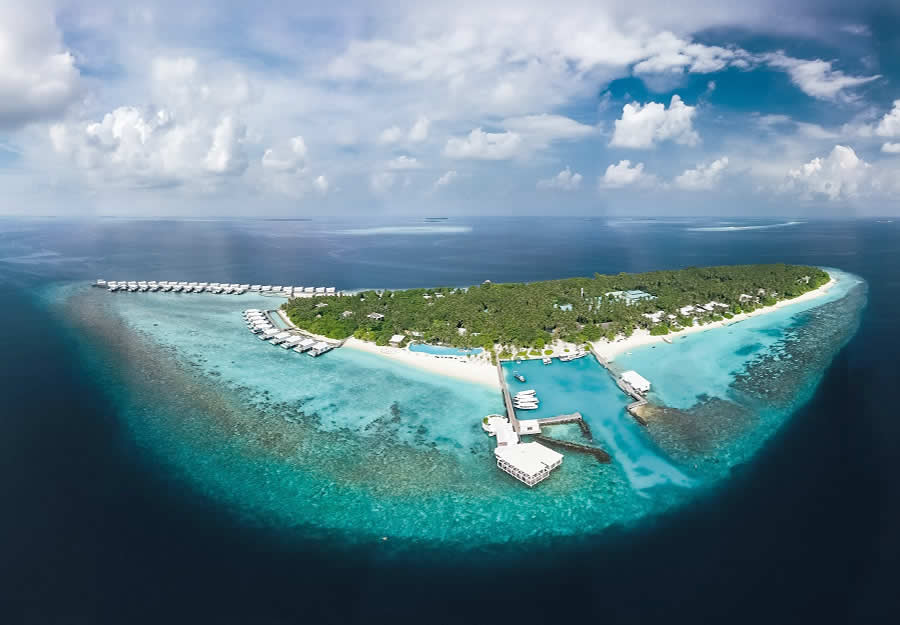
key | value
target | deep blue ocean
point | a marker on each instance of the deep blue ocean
(805, 532)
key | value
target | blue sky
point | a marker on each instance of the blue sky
(644, 107)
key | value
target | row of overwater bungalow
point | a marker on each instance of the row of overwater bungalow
(259, 323)
(217, 288)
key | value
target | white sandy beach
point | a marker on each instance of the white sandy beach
(474, 369)
(480, 371)
(609, 350)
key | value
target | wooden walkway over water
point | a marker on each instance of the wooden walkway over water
(639, 400)
(510, 411)
(575, 417)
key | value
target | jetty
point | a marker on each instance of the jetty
(510, 410)
(600, 454)
(627, 387)
(575, 417)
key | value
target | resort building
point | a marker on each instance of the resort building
(397, 340)
(529, 463)
(636, 381)
(375, 316)
(630, 297)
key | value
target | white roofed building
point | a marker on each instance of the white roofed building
(637, 381)
(529, 463)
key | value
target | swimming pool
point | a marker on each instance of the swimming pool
(438, 350)
(276, 319)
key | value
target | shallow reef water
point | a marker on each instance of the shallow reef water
(368, 448)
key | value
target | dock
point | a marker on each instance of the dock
(575, 417)
(639, 400)
(599, 454)
(510, 411)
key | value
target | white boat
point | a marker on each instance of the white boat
(547, 360)
(527, 407)
(530, 391)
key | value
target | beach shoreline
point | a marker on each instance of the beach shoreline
(475, 369)
(478, 370)
(610, 349)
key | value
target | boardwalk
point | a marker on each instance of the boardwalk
(575, 417)
(639, 400)
(510, 411)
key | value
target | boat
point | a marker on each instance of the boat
(547, 360)
(530, 391)
(519, 377)
(527, 407)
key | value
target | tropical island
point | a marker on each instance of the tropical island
(506, 318)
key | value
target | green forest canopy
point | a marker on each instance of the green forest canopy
(530, 314)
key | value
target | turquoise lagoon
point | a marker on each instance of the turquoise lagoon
(369, 448)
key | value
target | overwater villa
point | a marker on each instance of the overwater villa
(320, 348)
(304, 345)
(280, 338)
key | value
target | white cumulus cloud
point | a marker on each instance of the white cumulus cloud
(623, 174)
(546, 128)
(703, 177)
(564, 180)
(193, 133)
(321, 184)
(290, 157)
(446, 179)
(484, 145)
(419, 130)
(840, 175)
(390, 135)
(891, 148)
(817, 78)
(889, 126)
(643, 126)
(404, 162)
(38, 76)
